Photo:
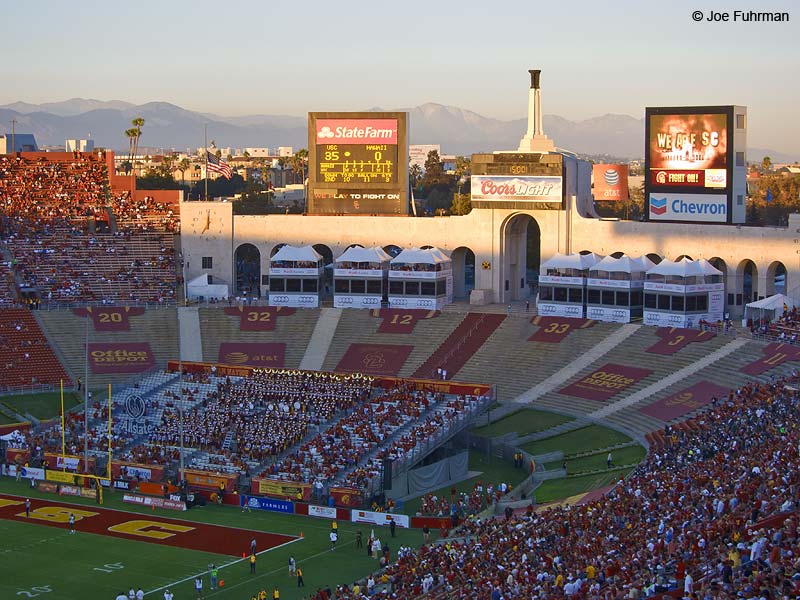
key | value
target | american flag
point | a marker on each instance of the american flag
(217, 165)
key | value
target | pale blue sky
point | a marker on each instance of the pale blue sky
(242, 57)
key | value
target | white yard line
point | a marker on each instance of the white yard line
(233, 562)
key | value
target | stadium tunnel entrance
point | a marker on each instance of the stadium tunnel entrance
(248, 270)
(463, 272)
(522, 243)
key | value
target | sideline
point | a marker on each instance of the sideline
(228, 564)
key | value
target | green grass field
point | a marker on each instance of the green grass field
(89, 566)
(522, 422)
(585, 439)
(558, 489)
(42, 406)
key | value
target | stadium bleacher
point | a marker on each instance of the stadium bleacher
(25, 354)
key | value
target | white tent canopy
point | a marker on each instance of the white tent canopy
(775, 302)
(684, 268)
(623, 264)
(429, 256)
(199, 287)
(570, 261)
(357, 254)
(297, 254)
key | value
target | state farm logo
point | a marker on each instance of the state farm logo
(356, 131)
(611, 177)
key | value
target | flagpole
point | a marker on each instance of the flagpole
(63, 444)
(108, 466)
(205, 138)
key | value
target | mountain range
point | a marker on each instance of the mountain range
(457, 130)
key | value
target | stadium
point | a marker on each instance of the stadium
(527, 401)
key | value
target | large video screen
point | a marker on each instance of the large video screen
(359, 163)
(688, 150)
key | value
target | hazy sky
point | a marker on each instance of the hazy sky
(242, 57)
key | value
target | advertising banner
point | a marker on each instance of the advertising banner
(268, 504)
(688, 142)
(68, 462)
(348, 301)
(295, 300)
(202, 479)
(69, 490)
(326, 512)
(60, 476)
(118, 357)
(283, 489)
(346, 496)
(705, 208)
(258, 318)
(134, 471)
(609, 315)
(685, 401)
(606, 382)
(356, 131)
(610, 183)
(542, 188)
(28, 472)
(374, 359)
(167, 503)
(379, 518)
(46, 486)
(574, 311)
(266, 355)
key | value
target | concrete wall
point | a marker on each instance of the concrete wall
(495, 236)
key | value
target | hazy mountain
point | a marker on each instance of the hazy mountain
(457, 130)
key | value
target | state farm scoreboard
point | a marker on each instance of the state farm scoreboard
(358, 163)
(695, 164)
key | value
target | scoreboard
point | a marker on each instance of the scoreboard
(359, 163)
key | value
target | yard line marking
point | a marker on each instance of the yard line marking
(233, 562)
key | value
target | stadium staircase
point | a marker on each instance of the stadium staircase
(321, 339)
(460, 345)
(191, 347)
(158, 327)
(41, 365)
(294, 330)
(358, 326)
(516, 365)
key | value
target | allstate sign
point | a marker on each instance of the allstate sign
(704, 208)
(269, 504)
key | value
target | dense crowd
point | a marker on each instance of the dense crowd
(266, 412)
(56, 220)
(786, 328)
(690, 517)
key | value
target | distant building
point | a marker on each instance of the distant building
(418, 153)
(285, 151)
(258, 152)
(79, 146)
(23, 142)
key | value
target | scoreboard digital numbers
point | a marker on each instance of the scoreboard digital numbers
(359, 163)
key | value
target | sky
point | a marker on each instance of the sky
(251, 57)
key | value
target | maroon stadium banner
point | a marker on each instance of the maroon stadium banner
(554, 329)
(610, 183)
(685, 401)
(605, 382)
(110, 318)
(374, 359)
(397, 320)
(118, 357)
(774, 354)
(346, 497)
(266, 355)
(674, 339)
(258, 318)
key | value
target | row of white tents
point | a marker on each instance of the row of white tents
(362, 278)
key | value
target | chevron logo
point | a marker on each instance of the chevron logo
(658, 206)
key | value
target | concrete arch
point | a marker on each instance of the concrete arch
(521, 240)
(354, 246)
(746, 281)
(325, 251)
(585, 252)
(463, 271)
(275, 249)
(656, 258)
(682, 256)
(776, 278)
(392, 250)
(426, 247)
(247, 265)
(617, 254)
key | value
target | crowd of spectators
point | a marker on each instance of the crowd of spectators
(25, 355)
(56, 220)
(265, 413)
(786, 328)
(691, 517)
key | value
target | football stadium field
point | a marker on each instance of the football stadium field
(117, 547)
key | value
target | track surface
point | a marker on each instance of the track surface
(139, 527)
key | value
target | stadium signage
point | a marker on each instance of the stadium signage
(528, 189)
(154, 502)
(356, 131)
(131, 357)
(252, 354)
(67, 462)
(606, 382)
(379, 518)
(709, 208)
(326, 512)
(268, 504)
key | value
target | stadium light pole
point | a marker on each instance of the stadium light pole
(180, 400)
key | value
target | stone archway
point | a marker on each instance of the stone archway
(463, 272)
(521, 257)
(776, 278)
(747, 281)
(392, 250)
(247, 260)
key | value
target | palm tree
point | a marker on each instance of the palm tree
(766, 163)
(137, 123)
(184, 165)
(131, 135)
